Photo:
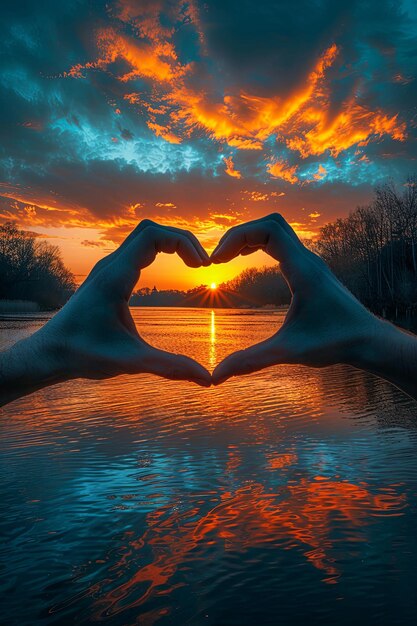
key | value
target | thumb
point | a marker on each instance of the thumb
(174, 367)
(253, 359)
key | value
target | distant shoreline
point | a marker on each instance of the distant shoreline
(407, 322)
(36, 315)
(5, 317)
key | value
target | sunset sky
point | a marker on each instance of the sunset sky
(200, 115)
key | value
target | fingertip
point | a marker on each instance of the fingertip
(218, 376)
(202, 382)
(216, 250)
(195, 260)
(203, 254)
(217, 257)
(220, 380)
(199, 374)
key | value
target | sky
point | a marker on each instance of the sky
(199, 115)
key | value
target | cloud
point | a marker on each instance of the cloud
(279, 169)
(126, 134)
(230, 168)
(116, 111)
(89, 243)
(321, 173)
(310, 119)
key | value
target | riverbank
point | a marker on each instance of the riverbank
(18, 306)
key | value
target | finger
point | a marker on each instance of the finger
(110, 258)
(267, 234)
(286, 227)
(174, 367)
(146, 223)
(249, 235)
(246, 251)
(185, 233)
(135, 232)
(276, 217)
(193, 239)
(141, 252)
(247, 361)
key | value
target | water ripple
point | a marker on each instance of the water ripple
(284, 496)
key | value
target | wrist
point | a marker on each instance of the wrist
(366, 351)
(29, 365)
(390, 353)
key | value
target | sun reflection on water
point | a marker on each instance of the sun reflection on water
(212, 356)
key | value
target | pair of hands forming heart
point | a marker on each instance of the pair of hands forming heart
(94, 335)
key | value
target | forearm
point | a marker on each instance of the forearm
(391, 354)
(29, 365)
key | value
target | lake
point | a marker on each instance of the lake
(285, 497)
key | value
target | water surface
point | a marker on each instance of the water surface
(287, 497)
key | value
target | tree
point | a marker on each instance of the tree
(32, 270)
(259, 286)
(373, 250)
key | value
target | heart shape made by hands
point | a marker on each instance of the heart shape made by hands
(105, 342)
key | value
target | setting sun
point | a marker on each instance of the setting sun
(213, 286)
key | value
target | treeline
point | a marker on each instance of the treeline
(32, 270)
(259, 287)
(373, 250)
(152, 297)
(200, 296)
(254, 287)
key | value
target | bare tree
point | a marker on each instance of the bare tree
(373, 250)
(32, 269)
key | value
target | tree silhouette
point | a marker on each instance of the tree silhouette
(32, 270)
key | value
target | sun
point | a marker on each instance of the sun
(213, 286)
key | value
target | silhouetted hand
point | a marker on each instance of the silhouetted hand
(94, 335)
(325, 323)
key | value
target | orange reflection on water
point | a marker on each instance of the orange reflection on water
(277, 461)
(212, 356)
(298, 515)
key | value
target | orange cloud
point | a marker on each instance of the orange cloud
(321, 173)
(230, 168)
(30, 209)
(92, 243)
(305, 119)
(279, 169)
(354, 124)
(258, 196)
(163, 131)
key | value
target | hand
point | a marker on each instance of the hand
(96, 327)
(94, 335)
(325, 323)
